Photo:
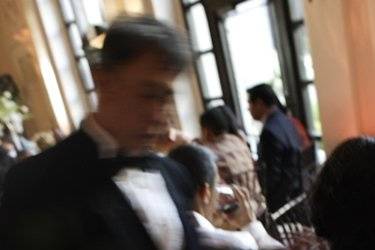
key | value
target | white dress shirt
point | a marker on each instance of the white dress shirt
(146, 191)
(263, 239)
(253, 237)
(220, 238)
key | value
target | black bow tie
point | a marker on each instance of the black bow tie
(115, 164)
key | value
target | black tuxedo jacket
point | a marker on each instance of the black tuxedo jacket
(65, 199)
(280, 158)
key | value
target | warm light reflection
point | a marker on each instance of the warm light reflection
(134, 6)
(97, 42)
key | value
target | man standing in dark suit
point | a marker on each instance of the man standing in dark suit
(279, 148)
(102, 188)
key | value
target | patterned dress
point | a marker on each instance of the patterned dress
(236, 167)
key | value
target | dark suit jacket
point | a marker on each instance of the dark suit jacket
(65, 199)
(6, 162)
(279, 157)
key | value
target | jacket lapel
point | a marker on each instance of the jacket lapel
(110, 205)
(190, 234)
(106, 202)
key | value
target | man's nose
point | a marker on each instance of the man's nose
(158, 117)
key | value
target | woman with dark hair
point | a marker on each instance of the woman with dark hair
(342, 201)
(220, 120)
(222, 133)
(200, 164)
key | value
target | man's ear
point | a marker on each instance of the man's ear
(205, 193)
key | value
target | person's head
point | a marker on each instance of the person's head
(217, 121)
(342, 199)
(261, 99)
(134, 72)
(200, 163)
(174, 138)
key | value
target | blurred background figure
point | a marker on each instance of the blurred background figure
(279, 163)
(224, 136)
(342, 199)
(200, 162)
(45, 140)
(6, 162)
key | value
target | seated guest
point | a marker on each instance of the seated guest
(200, 162)
(342, 200)
(224, 136)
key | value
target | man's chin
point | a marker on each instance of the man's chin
(144, 143)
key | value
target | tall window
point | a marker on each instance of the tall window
(305, 67)
(253, 55)
(261, 41)
(83, 19)
(204, 57)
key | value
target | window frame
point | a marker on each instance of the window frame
(284, 29)
(218, 50)
(292, 28)
(80, 53)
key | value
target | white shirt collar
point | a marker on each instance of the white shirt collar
(202, 221)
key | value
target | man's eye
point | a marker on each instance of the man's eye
(158, 95)
(148, 95)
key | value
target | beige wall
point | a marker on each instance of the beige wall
(113, 8)
(342, 37)
(360, 17)
(18, 58)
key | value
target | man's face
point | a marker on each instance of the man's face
(256, 109)
(134, 99)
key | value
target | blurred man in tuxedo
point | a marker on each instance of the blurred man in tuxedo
(102, 187)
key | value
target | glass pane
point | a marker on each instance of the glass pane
(214, 103)
(81, 19)
(248, 5)
(67, 10)
(93, 11)
(76, 40)
(305, 63)
(198, 26)
(254, 57)
(209, 76)
(312, 110)
(296, 9)
(85, 72)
